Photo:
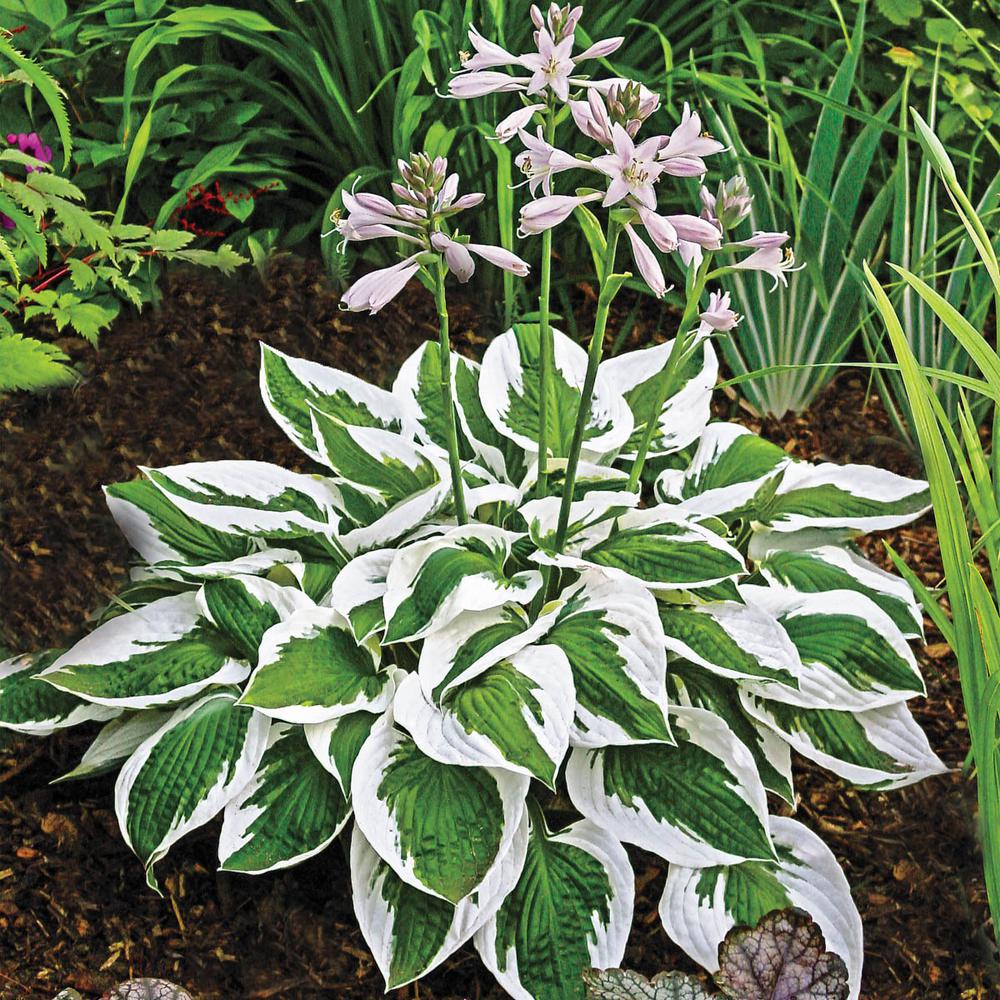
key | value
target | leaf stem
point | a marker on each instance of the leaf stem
(604, 300)
(447, 399)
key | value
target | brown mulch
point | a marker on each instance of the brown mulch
(180, 384)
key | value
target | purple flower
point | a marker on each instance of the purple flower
(771, 260)
(647, 264)
(544, 213)
(762, 241)
(31, 143)
(428, 197)
(730, 206)
(6, 222)
(551, 67)
(718, 315)
(515, 122)
(633, 169)
(625, 103)
(540, 160)
(683, 152)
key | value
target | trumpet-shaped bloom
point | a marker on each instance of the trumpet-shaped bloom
(683, 152)
(540, 160)
(544, 213)
(376, 289)
(719, 315)
(772, 260)
(633, 169)
(647, 264)
(515, 122)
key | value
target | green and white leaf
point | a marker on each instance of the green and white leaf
(160, 532)
(293, 387)
(509, 391)
(881, 748)
(30, 706)
(184, 774)
(442, 829)
(260, 563)
(291, 809)
(695, 687)
(162, 653)
(732, 639)
(253, 499)
(859, 497)
(852, 654)
(701, 905)
(410, 932)
(832, 567)
(431, 582)
(474, 641)
(417, 390)
(338, 742)
(358, 590)
(639, 377)
(698, 803)
(610, 632)
(660, 547)
(389, 484)
(571, 910)
(726, 471)
(116, 742)
(312, 669)
(516, 714)
(590, 517)
(243, 608)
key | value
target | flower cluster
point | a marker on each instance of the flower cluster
(428, 200)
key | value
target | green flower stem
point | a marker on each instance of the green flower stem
(545, 348)
(447, 398)
(673, 365)
(607, 294)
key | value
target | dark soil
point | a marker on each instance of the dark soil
(180, 384)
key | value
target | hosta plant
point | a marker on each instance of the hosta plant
(493, 671)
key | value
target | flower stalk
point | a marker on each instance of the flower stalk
(447, 395)
(545, 340)
(609, 289)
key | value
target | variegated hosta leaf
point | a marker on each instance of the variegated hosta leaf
(293, 387)
(411, 932)
(640, 375)
(502, 456)
(695, 687)
(701, 905)
(388, 483)
(516, 714)
(728, 468)
(290, 809)
(162, 653)
(243, 608)
(474, 641)
(269, 562)
(431, 582)
(338, 742)
(160, 532)
(442, 829)
(254, 499)
(116, 742)
(609, 630)
(29, 705)
(731, 639)
(312, 669)
(570, 910)
(881, 748)
(184, 774)
(859, 497)
(832, 567)
(417, 389)
(358, 590)
(590, 517)
(853, 656)
(509, 391)
(700, 802)
(660, 547)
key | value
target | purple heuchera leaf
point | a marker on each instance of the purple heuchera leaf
(783, 958)
(618, 984)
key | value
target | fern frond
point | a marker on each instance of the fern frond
(26, 363)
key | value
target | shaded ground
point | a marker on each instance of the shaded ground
(181, 385)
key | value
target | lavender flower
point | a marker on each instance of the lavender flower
(552, 67)
(428, 198)
(771, 260)
(719, 316)
(730, 206)
(633, 170)
(683, 152)
(540, 160)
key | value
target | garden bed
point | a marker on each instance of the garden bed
(180, 384)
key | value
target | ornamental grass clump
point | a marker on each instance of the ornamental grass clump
(520, 613)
